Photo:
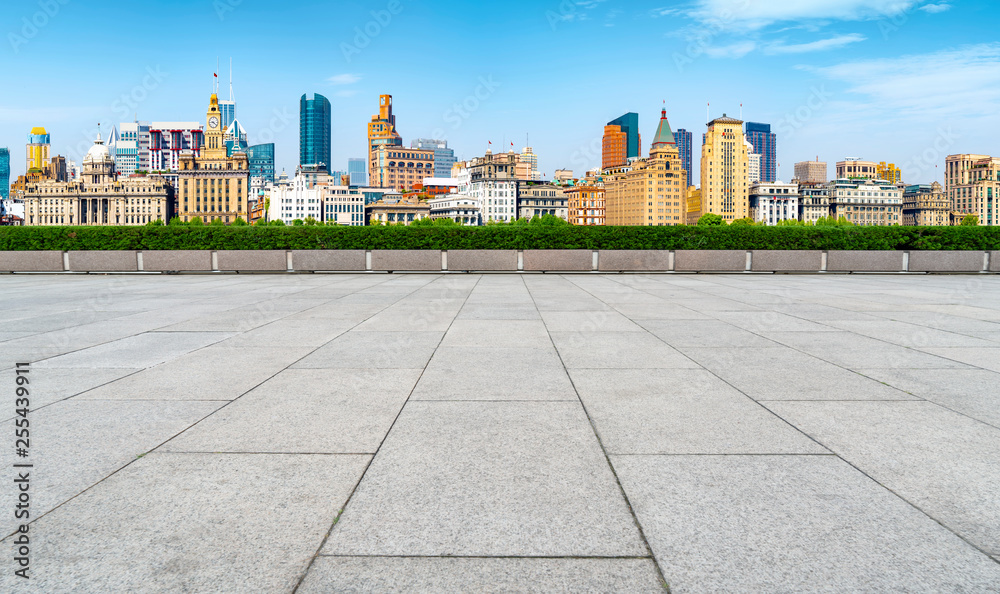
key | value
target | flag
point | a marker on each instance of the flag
(215, 74)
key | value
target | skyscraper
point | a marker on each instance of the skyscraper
(37, 150)
(621, 141)
(684, 140)
(381, 132)
(390, 164)
(261, 161)
(764, 144)
(724, 170)
(4, 173)
(358, 170)
(314, 131)
(444, 157)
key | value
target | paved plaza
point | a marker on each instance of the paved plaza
(499, 433)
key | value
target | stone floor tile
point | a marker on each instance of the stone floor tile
(377, 350)
(487, 373)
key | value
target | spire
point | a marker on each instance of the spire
(664, 136)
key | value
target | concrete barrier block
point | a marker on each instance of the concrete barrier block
(864, 261)
(484, 260)
(103, 261)
(946, 261)
(176, 260)
(995, 261)
(402, 260)
(252, 260)
(634, 260)
(710, 260)
(328, 260)
(31, 261)
(787, 260)
(559, 260)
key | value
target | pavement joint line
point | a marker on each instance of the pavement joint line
(582, 557)
(600, 444)
(155, 448)
(347, 501)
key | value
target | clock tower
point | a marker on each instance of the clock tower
(215, 146)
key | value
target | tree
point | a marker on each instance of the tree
(745, 222)
(711, 220)
(970, 220)
(239, 222)
(260, 223)
(277, 223)
(155, 223)
(310, 222)
(217, 223)
(297, 223)
(195, 221)
(789, 223)
(176, 221)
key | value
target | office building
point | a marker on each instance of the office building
(297, 198)
(314, 131)
(585, 204)
(464, 210)
(972, 185)
(773, 202)
(4, 173)
(401, 168)
(651, 191)
(684, 140)
(926, 205)
(857, 169)
(343, 205)
(444, 157)
(693, 205)
(866, 201)
(492, 180)
(814, 201)
(813, 172)
(98, 197)
(167, 140)
(753, 165)
(536, 199)
(889, 172)
(530, 160)
(725, 170)
(37, 152)
(235, 138)
(213, 185)
(358, 170)
(621, 141)
(260, 158)
(764, 143)
(381, 133)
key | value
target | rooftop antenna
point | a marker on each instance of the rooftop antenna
(708, 111)
(231, 79)
(741, 111)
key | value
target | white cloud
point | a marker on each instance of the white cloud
(346, 93)
(954, 83)
(935, 8)
(736, 50)
(756, 14)
(814, 46)
(344, 79)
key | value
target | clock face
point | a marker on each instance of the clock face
(213, 122)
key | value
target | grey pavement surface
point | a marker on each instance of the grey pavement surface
(505, 433)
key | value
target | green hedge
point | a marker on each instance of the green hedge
(499, 237)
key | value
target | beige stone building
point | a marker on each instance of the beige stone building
(98, 197)
(866, 202)
(725, 170)
(693, 205)
(586, 203)
(814, 201)
(926, 206)
(813, 172)
(400, 168)
(537, 199)
(213, 186)
(972, 185)
(650, 191)
(396, 209)
(857, 169)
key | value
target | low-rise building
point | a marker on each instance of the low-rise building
(694, 210)
(926, 205)
(397, 209)
(774, 202)
(856, 169)
(401, 168)
(814, 201)
(296, 198)
(462, 209)
(866, 202)
(343, 205)
(540, 199)
(585, 204)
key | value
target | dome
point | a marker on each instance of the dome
(98, 153)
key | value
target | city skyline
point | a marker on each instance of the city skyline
(831, 82)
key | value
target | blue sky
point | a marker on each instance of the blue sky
(896, 80)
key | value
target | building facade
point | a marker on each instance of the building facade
(972, 185)
(774, 202)
(857, 169)
(401, 168)
(260, 159)
(357, 169)
(538, 200)
(866, 202)
(235, 138)
(684, 139)
(214, 185)
(651, 191)
(814, 201)
(99, 197)
(753, 165)
(493, 181)
(889, 172)
(585, 204)
(381, 133)
(765, 144)
(926, 205)
(37, 149)
(295, 198)
(621, 141)
(314, 131)
(444, 157)
(397, 210)
(725, 170)
(813, 172)
(343, 205)
(4, 173)
(464, 210)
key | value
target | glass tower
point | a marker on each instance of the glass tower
(629, 124)
(314, 131)
(444, 157)
(358, 170)
(261, 161)
(4, 173)
(684, 139)
(764, 144)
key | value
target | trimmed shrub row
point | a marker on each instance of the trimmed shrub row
(499, 237)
